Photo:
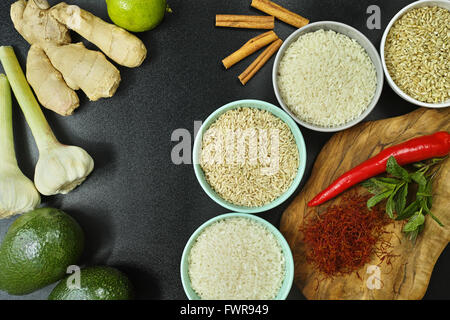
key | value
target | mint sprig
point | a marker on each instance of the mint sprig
(395, 188)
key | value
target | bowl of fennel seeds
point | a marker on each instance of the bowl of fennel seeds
(415, 52)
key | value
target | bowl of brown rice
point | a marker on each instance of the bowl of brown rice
(415, 53)
(249, 156)
(327, 76)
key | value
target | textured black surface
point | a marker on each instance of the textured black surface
(137, 208)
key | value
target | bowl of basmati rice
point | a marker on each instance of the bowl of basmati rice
(328, 76)
(249, 156)
(237, 256)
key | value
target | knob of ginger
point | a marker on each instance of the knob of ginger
(33, 21)
(48, 83)
(35, 24)
(84, 69)
(121, 46)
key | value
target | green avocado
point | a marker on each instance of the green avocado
(95, 283)
(37, 249)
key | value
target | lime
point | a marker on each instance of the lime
(137, 15)
(95, 283)
(37, 249)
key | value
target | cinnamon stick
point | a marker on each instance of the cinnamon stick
(279, 12)
(245, 21)
(250, 47)
(259, 62)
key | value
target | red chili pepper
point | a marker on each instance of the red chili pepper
(414, 150)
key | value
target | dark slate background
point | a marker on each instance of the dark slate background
(137, 208)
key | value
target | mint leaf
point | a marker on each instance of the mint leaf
(394, 169)
(379, 185)
(384, 184)
(424, 194)
(415, 222)
(419, 178)
(389, 180)
(409, 211)
(371, 186)
(378, 198)
(390, 206)
(400, 199)
(412, 235)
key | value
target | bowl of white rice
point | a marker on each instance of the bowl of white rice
(328, 76)
(237, 256)
(249, 156)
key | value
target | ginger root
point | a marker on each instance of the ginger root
(48, 83)
(33, 21)
(85, 69)
(56, 67)
(118, 44)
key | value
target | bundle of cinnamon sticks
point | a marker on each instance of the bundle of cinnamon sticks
(268, 38)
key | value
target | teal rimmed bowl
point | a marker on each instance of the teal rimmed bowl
(263, 106)
(289, 260)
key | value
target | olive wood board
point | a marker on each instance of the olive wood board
(405, 276)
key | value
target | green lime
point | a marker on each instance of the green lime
(95, 283)
(137, 15)
(37, 249)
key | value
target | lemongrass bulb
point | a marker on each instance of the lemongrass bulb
(61, 169)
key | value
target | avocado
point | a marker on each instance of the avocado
(37, 249)
(95, 283)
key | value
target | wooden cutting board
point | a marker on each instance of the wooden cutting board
(405, 276)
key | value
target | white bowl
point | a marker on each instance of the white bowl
(351, 33)
(424, 3)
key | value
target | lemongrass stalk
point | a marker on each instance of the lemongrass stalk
(8, 154)
(60, 168)
(17, 193)
(33, 113)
